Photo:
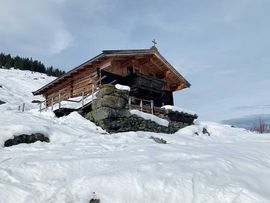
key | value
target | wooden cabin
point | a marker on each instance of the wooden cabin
(149, 75)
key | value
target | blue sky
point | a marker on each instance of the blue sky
(221, 47)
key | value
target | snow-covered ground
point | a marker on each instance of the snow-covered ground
(17, 87)
(230, 165)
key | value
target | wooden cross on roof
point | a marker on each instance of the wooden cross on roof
(154, 42)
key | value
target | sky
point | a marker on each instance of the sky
(221, 47)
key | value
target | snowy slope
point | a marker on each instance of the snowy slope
(17, 87)
(230, 165)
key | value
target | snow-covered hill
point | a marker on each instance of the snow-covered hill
(230, 165)
(16, 87)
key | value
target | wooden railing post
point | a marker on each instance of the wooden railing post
(129, 103)
(46, 103)
(152, 106)
(40, 105)
(52, 104)
(59, 100)
(82, 98)
(23, 106)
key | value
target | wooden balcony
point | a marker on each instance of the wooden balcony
(137, 80)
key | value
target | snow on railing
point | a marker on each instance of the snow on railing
(78, 102)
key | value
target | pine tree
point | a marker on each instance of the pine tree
(27, 64)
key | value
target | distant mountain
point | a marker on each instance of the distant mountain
(248, 121)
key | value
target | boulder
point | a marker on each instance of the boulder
(2, 102)
(109, 101)
(109, 89)
(24, 138)
(106, 89)
(107, 112)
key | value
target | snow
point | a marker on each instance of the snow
(151, 117)
(17, 88)
(75, 102)
(230, 165)
(122, 87)
(178, 109)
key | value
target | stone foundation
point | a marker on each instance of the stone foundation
(110, 112)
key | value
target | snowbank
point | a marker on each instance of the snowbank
(178, 109)
(151, 117)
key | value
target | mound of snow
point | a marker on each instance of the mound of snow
(151, 117)
(122, 87)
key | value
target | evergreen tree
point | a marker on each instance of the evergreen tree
(28, 64)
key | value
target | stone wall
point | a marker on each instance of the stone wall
(110, 112)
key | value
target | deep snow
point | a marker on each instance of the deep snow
(231, 165)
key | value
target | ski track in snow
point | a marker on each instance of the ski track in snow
(231, 165)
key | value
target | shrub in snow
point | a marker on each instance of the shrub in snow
(26, 139)
(261, 127)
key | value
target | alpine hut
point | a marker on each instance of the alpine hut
(148, 74)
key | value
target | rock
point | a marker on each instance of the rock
(106, 89)
(94, 201)
(2, 102)
(158, 140)
(106, 112)
(109, 101)
(205, 131)
(94, 198)
(24, 138)
(36, 101)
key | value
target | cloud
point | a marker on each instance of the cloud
(62, 39)
(253, 107)
(33, 27)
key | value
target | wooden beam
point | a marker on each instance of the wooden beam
(160, 67)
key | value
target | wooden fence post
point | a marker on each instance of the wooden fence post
(59, 100)
(23, 106)
(141, 105)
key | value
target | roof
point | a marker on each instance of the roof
(108, 53)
